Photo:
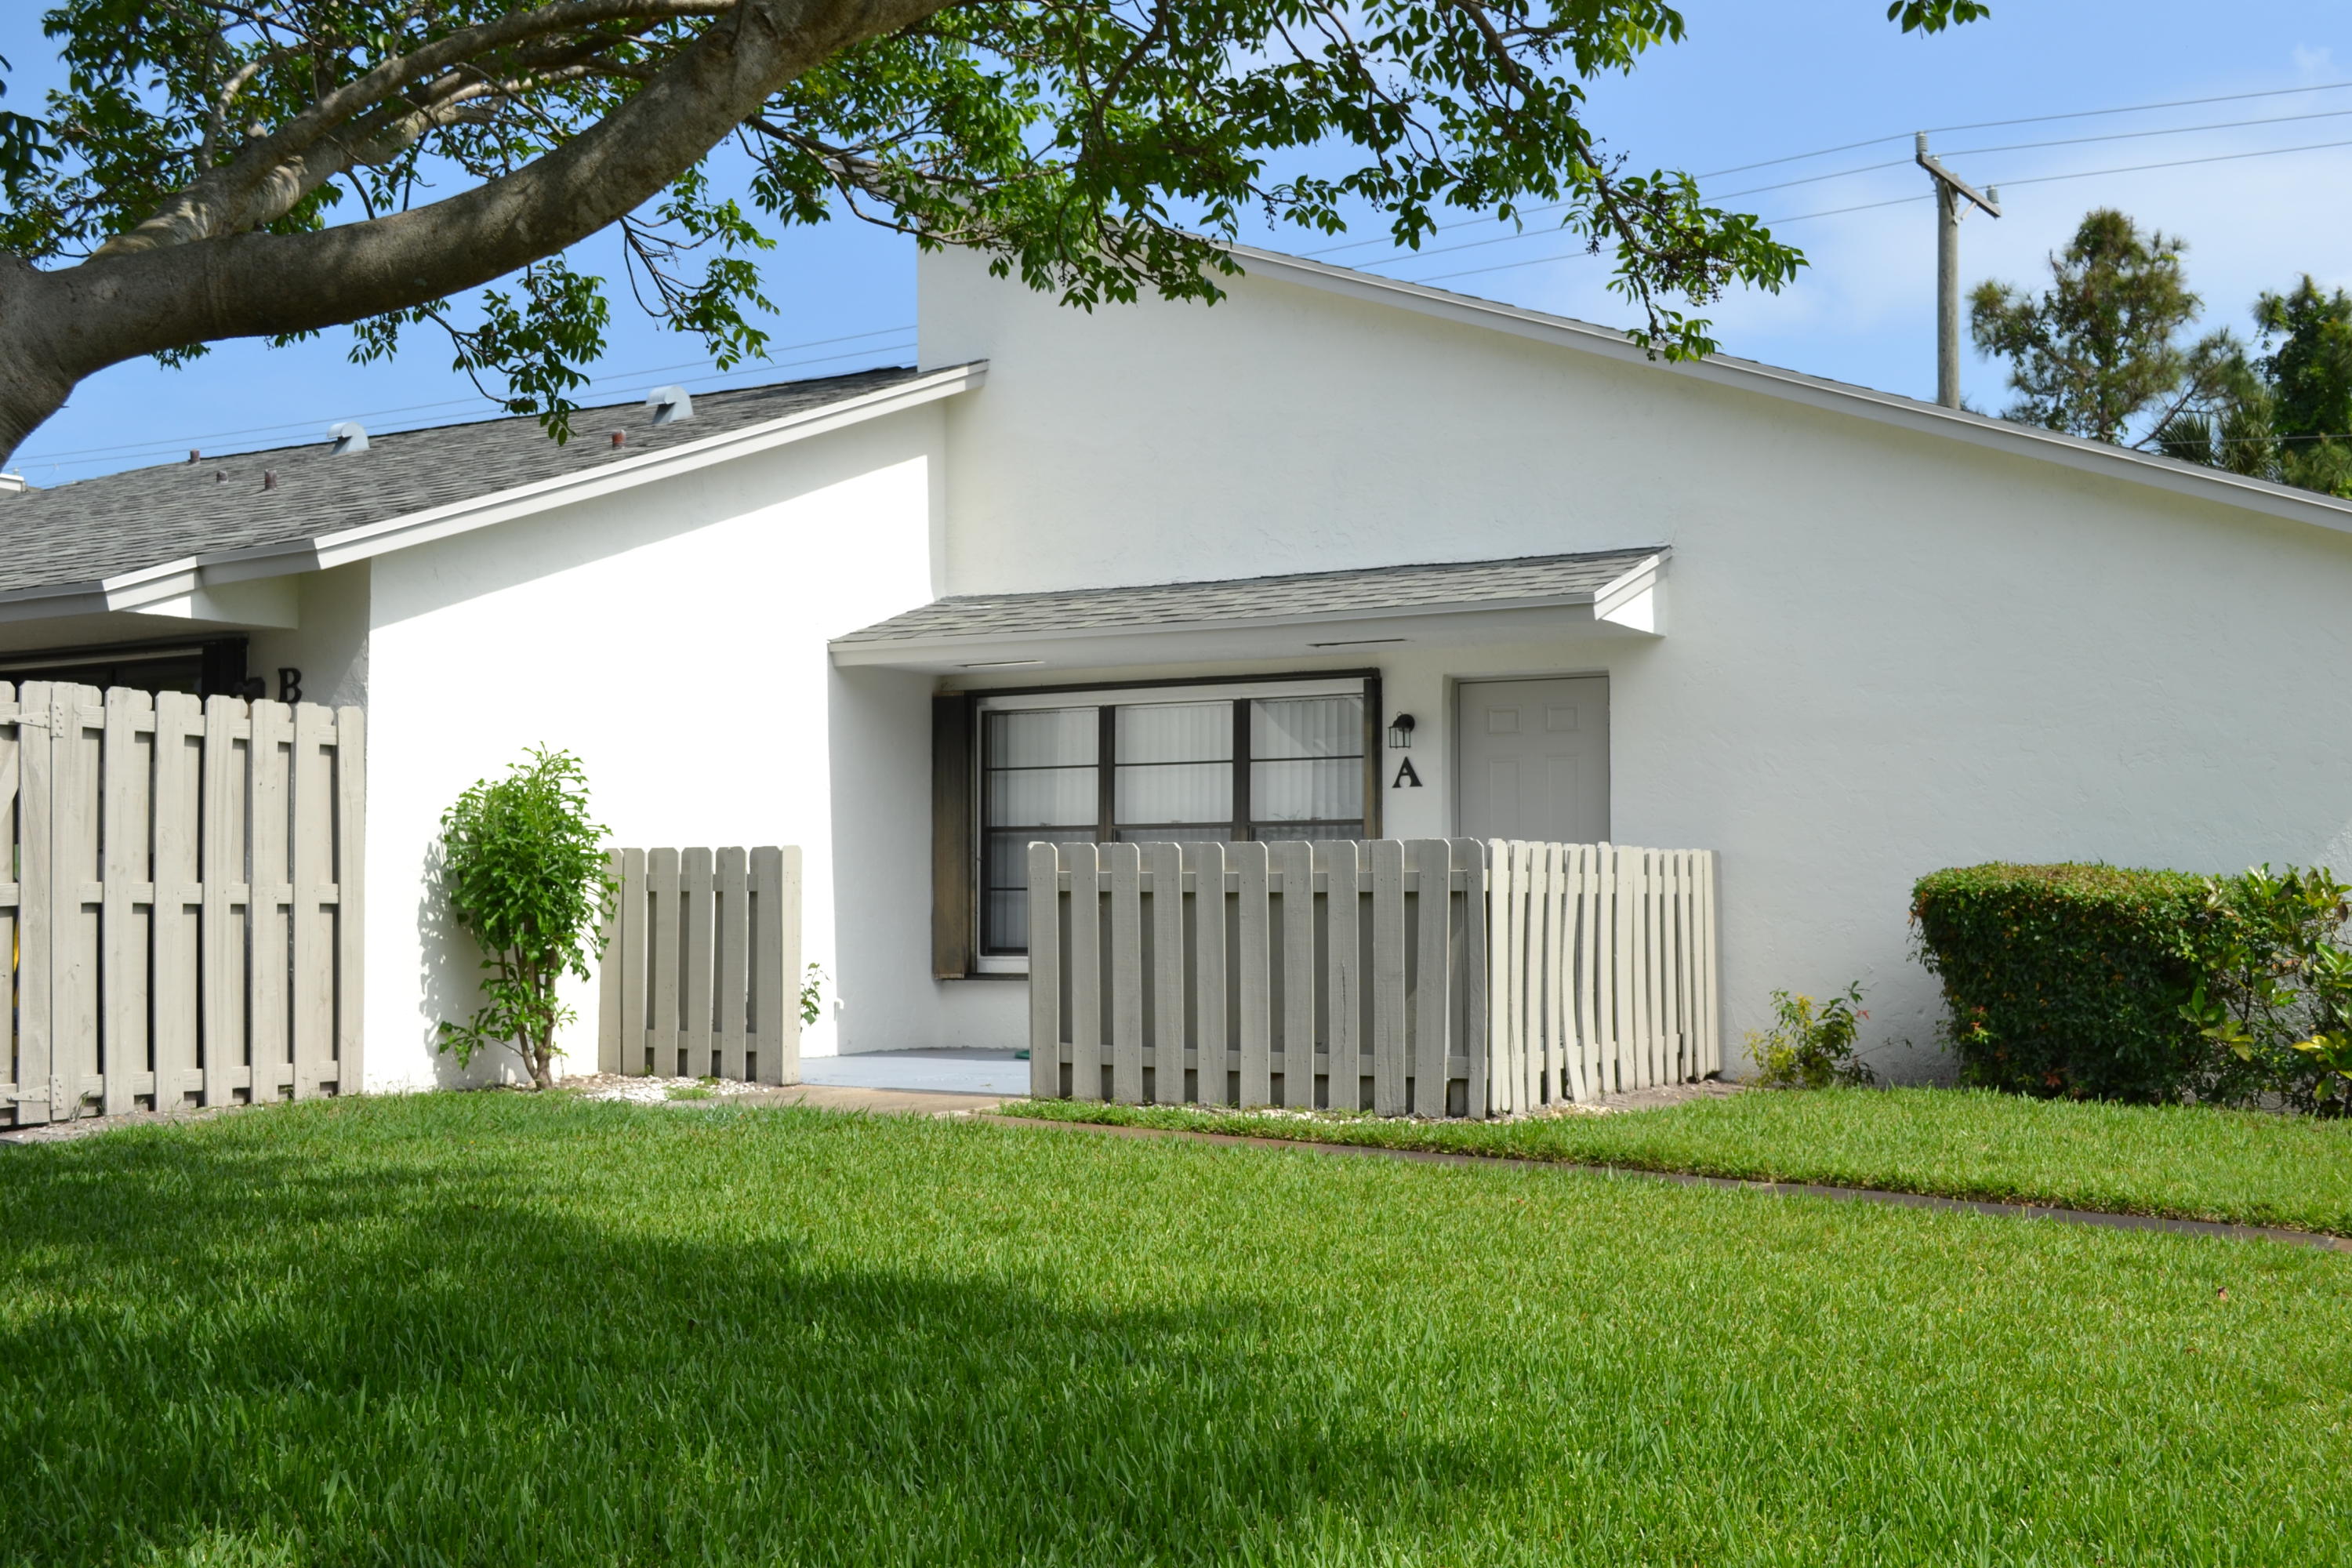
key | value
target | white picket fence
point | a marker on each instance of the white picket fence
(702, 968)
(1439, 977)
(180, 900)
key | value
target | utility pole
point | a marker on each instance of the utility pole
(1949, 190)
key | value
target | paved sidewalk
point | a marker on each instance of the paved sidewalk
(878, 1101)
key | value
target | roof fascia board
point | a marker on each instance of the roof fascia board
(503, 506)
(152, 585)
(1884, 407)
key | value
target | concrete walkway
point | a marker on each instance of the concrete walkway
(852, 1097)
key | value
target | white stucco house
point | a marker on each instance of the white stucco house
(1170, 570)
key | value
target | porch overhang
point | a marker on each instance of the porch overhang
(1618, 592)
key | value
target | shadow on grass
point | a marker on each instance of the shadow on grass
(229, 1347)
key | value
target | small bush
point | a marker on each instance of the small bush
(2066, 979)
(2272, 988)
(523, 866)
(2097, 981)
(1811, 1044)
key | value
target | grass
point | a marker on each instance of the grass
(494, 1329)
(2190, 1162)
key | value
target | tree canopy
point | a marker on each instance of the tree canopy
(2284, 414)
(2101, 347)
(215, 168)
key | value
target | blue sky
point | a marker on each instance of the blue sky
(1754, 82)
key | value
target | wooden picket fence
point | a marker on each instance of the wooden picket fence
(701, 965)
(1434, 977)
(180, 900)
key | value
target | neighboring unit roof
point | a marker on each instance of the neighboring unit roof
(1526, 580)
(94, 529)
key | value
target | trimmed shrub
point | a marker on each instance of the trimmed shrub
(2069, 980)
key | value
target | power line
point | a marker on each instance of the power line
(1932, 130)
(601, 384)
(1901, 200)
(1873, 168)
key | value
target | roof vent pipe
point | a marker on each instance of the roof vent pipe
(670, 405)
(13, 484)
(351, 435)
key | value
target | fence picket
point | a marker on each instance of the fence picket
(1433, 1010)
(1469, 857)
(1342, 977)
(730, 984)
(269, 897)
(1123, 862)
(774, 1049)
(314, 896)
(220, 936)
(122, 831)
(1710, 1003)
(12, 885)
(1166, 868)
(698, 942)
(1253, 960)
(1045, 972)
(663, 980)
(1086, 972)
(1294, 870)
(635, 922)
(350, 899)
(1211, 1009)
(611, 986)
(1388, 1009)
(37, 908)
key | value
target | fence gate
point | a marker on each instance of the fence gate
(701, 970)
(180, 900)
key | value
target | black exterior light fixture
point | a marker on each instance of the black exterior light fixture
(1400, 733)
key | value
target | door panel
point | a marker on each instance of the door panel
(1535, 759)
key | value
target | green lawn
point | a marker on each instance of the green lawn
(2187, 1162)
(487, 1329)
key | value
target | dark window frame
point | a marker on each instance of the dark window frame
(1242, 827)
(217, 663)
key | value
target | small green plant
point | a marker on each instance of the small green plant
(523, 867)
(692, 1091)
(1811, 1044)
(2274, 987)
(812, 995)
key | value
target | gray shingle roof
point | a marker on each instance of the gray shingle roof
(1539, 578)
(100, 528)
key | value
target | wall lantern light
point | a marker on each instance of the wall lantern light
(1400, 733)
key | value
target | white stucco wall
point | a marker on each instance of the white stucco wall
(1888, 652)
(674, 636)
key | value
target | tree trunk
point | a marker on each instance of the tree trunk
(34, 383)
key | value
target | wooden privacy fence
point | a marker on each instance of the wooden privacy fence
(1434, 977)
(702, 965)
(180, 900)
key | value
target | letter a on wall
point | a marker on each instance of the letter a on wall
(1406, 778)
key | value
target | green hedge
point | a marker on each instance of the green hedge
(2066, 979)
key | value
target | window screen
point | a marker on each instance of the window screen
(1132, 769)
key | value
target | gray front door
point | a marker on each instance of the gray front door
(1533, 756)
